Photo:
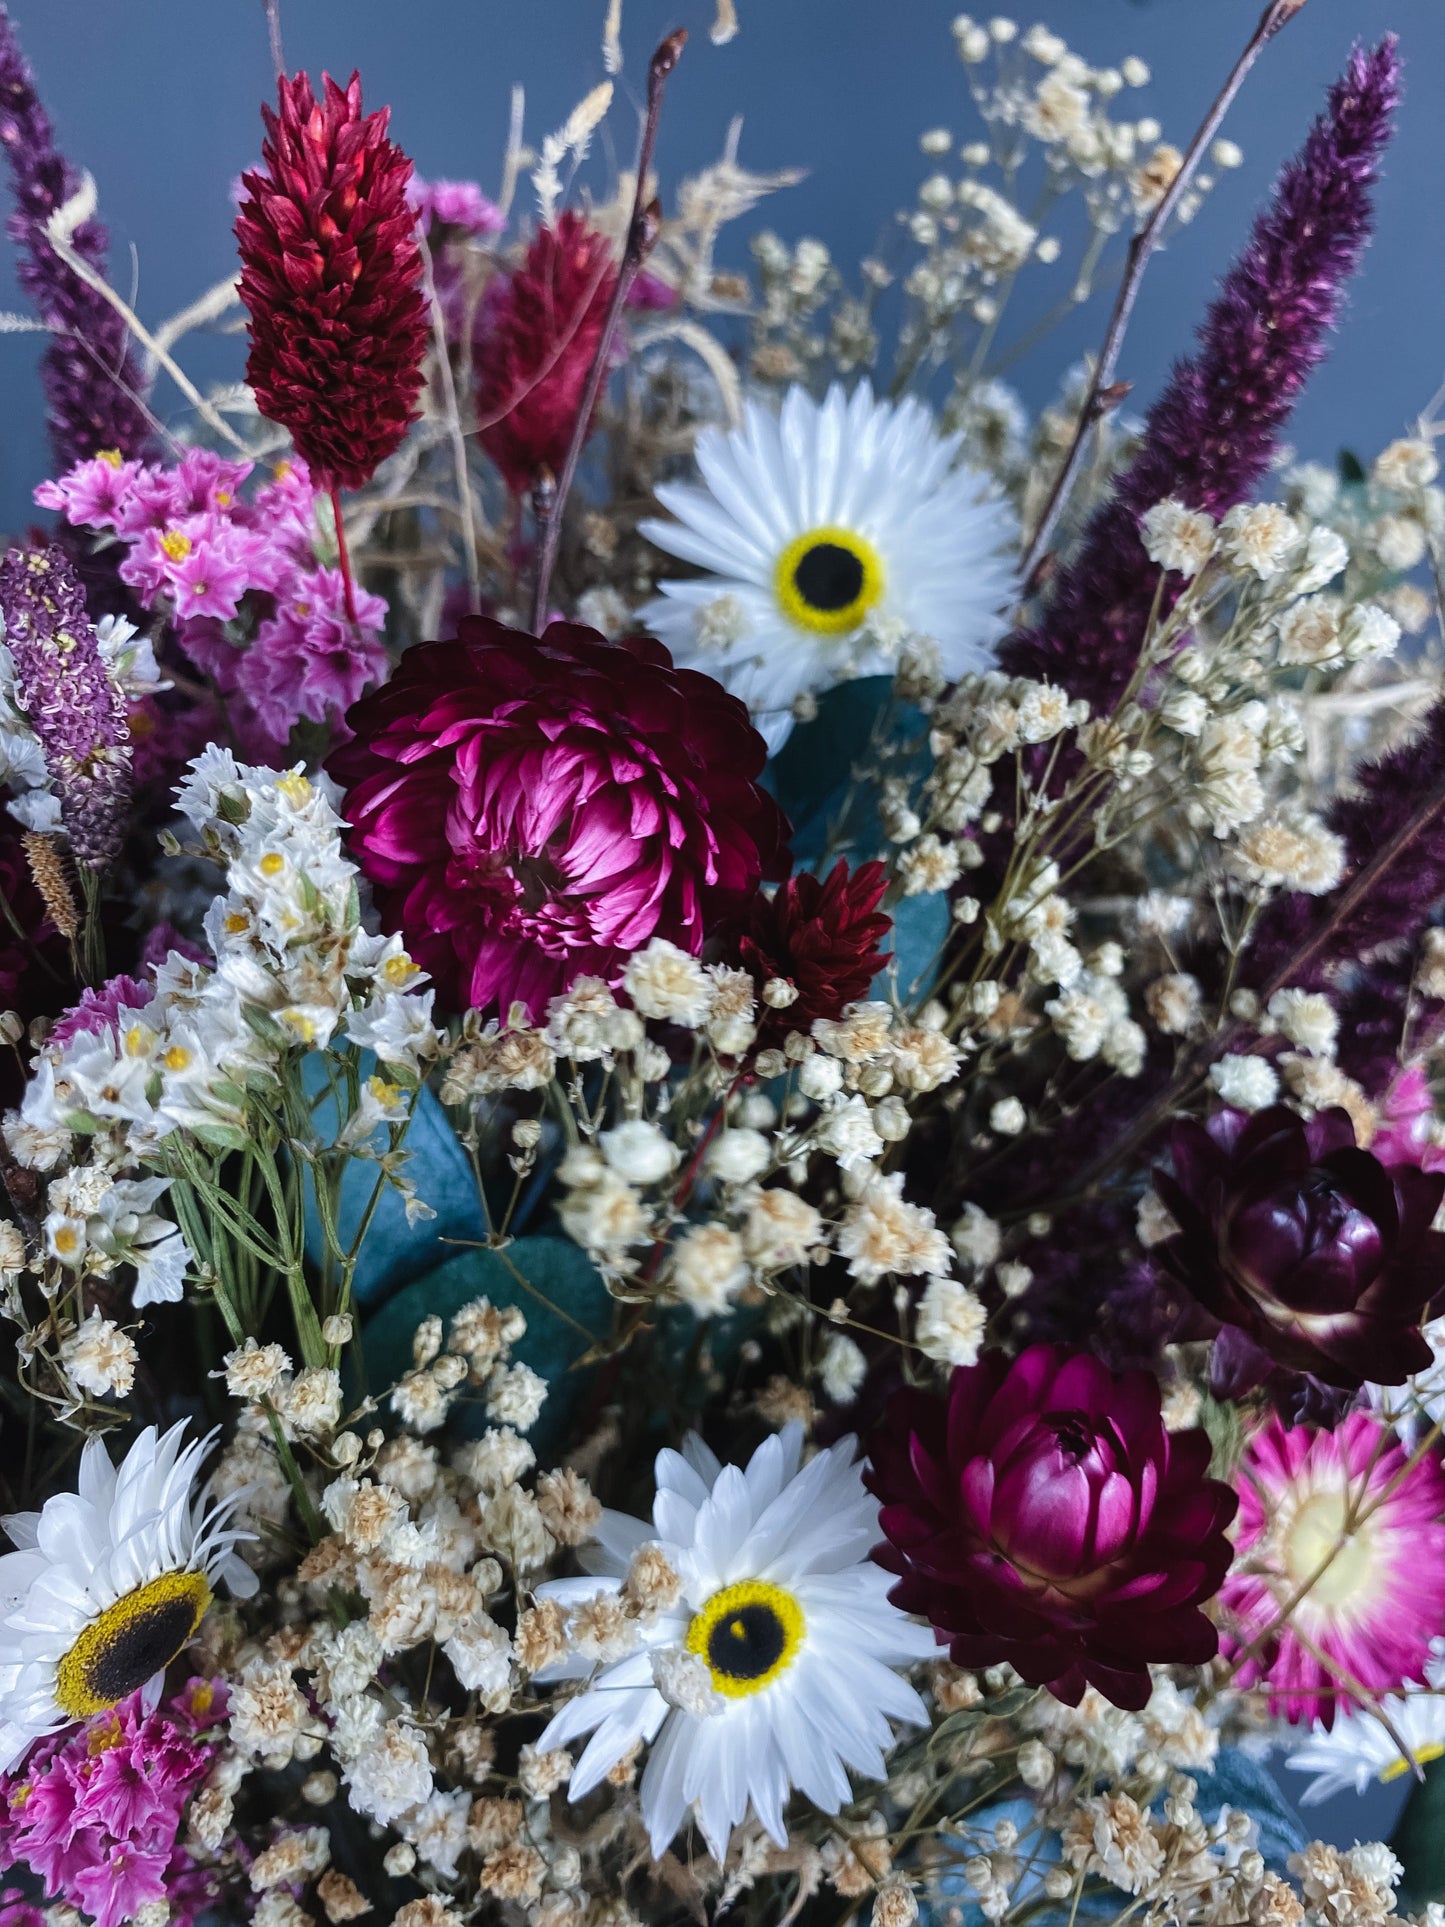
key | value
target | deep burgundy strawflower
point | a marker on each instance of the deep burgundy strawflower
(1040, 1515)
(531, 812)
(540, 337)
(1210, 436)
(332, 278)
(823, 936)
(1308, 1246)
(90, 378)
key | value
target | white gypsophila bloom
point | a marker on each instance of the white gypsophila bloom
(515, 1396)
(842, 1370)
(976, 1238)
(1406, 464)
(1294, 852)
(781, 1603)
(1259, 537)
(1306, 1018)
(1361, 1748)
(820, 1077)
(883, 1235)
(1008, 1116)
(827, 528)
(709, 1269)
(1400, 542)
(254, 1371)
(639, 1152)
(1370, 632)
(848, 1134)
(780, 1229)
(1311, 632)
(1326, 556)
(666, 983)
(108, 1584)
(389, 1773)
(738, 1156)
(1174, 1002)
(1178, 538)
(480, 1653)
(951, 1322)
(1249, 1083)
(100, 1357)
(310, 1406)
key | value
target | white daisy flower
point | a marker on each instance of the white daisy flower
(833, 535)
(776, 1660)
(1362, 1747)
(108, 1585)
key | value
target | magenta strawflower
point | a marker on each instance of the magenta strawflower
(101, 1009)
(530, 812)
(96, 1812)
(1339, 1531)
(309, 659)
(1040, 1515)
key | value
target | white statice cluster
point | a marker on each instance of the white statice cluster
(115, 1113)
(129, 658)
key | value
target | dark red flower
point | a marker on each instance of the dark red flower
(1317, 1252)
(332, 277)
(1041, 1515)
(824, 937)
(542, 331)
(531, 812)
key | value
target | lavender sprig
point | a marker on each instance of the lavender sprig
(89, 376)
(1210, 436)
(74, 706)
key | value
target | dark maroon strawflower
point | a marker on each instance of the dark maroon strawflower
(332, 277)
(91, 381)
(821, 935)
(1308, 1246)
(1040, 1515)
(532, 812)
(541, 336)
(1210, 436)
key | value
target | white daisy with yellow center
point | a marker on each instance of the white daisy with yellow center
(832, 535)
(107, 1585)
(1365, 1746)
(786, 1624)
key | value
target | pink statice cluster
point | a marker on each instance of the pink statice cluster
(95, 1813)
(239, 578)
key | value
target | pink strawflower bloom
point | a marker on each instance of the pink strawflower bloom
(1405, 1111)
(101, 1009)
(455, 204)
(1365, 1625)
(95, 1812)
(203, 564)
(308, 659)
(532, 811)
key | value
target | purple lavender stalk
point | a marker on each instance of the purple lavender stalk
(1210, 436)
(87, 371)
(74, 706)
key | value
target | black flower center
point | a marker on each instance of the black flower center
(828, 576)
(747, 1643)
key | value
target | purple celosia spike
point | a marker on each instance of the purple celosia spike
(74, 706)
(88, 374)
(1210, 436)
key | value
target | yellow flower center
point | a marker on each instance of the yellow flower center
(384, 1093)
(296, 788)
(66, 1241)
(399, 969)
(129, 1643)
(1423, 1755)
(176, 545)
(282, 471)
(272, 864)
(1317, 1531)
(747, 1635)
(828, 579)
(177, 1058)
(104, 1735)
(138, 1040)
(110, 456)
(237, 924)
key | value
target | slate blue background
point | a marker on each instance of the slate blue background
(158, 98)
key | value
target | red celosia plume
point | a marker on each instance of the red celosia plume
(332, 278)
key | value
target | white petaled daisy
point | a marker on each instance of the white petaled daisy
(107, 1585)
(1363, 1747)
(777, 1657)
(832, 534)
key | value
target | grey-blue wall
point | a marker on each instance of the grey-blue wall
(158, 98)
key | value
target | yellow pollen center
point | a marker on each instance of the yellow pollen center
(177, 1058)
(203, 1698)
(67, 1242)
(295, 788)
(110, 456)
(223, 498)
(176, 545)
(383, 1092)
(827, 580)
(137, 1040)
(271, 865)
(130, 1642)
(304, 1026)
(103, 1736)
(282, 471)
(399, 969)
(236, 924)
(1317, 1531)
(747, 1635)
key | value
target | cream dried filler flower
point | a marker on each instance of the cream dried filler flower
(831, 534)
(108, 1584)
(788, 1629)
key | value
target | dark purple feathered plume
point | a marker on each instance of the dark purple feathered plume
(1210, 435)
(87, 372)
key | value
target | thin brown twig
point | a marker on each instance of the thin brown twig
(641, 234)
(1103, 392)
